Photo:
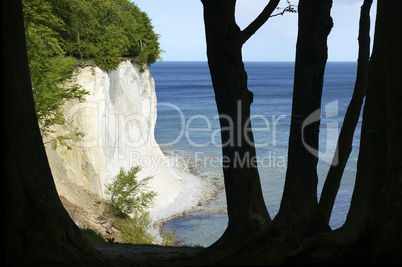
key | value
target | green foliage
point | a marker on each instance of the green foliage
(62, 139)
(126, 194)
(52, 87)
(107, 30)
(168, 238)
(51, 71)
(111, 46)
(135, 229)
(127, 200)
(104, 30)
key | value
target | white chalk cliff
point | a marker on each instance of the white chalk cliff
(117, 121)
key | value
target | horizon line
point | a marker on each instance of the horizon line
(284, 61)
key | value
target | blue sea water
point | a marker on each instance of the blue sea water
(187, 125)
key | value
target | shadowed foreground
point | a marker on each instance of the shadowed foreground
(39, 231)
(153, 255)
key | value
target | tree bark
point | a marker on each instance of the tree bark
(373, 143)
(372, 232)
(38, 229)
(299, 207)
(344, 146)
(246, 207)
(379, 176)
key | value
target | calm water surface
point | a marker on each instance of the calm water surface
(187, 125)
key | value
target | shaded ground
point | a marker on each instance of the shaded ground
(122, 255)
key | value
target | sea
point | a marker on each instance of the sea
(187, 127)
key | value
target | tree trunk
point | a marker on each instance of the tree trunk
(246, 208)
(298, 216)
(299, 207)
(38, 229)
(344, 146)
(386, 220)
(372, 232)
(375, 217)
(373, 143)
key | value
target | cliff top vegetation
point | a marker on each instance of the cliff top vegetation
(103, 30)
(60, 32)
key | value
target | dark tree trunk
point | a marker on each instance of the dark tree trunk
(372, 160)
(38, 229)
(375, 217)
(299, 206)
(344, 146)
(386, 220)
(246, 208)
(298, 216)
(372, 232)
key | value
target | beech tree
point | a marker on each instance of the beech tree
(105, 31)
(245, 203)
(300, 233)
(50, 69)
(344, 145)
(299, 206)
(246, 208)
(38, 230)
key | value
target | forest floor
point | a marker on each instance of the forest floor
(122, 255)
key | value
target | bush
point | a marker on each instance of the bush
(168, 238)
(135, 229)
(127, 199)
(126, 194)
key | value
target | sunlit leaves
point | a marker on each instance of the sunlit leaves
(51, 71)
(107, 30)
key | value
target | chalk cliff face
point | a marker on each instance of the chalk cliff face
(117, 121)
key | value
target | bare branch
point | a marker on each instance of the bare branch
(260, 20)
(290, 9)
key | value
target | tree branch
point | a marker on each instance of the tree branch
(290, 8)
(345, 140)
(260, 20)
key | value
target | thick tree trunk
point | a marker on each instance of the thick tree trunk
(299, 207)
(388, 215)
(298, 216)
(376, 208)
(373, 144)
(372, 232)
(38, 229)
(246, 208)
(344, 146)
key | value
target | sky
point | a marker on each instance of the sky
(182, 36)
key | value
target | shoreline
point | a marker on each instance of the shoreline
(195, 194)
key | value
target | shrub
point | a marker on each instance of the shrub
(127, 199)
(126, 194)
(135, 229)
(168, 238)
